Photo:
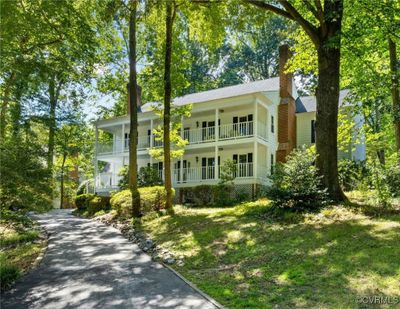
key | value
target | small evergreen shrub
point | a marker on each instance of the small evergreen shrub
(151, 199)
(98, 203)
(82, 201)
(121, 202)
(296, 184)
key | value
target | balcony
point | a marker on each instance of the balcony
(231, 131)
(188, 176)
(207, 173)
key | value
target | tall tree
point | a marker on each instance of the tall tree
(322, 21)
(133, 103)
(394, 72)
(169, 22)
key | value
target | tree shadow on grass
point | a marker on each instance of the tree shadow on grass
(245, 261)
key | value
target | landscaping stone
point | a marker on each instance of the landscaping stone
(145, 243)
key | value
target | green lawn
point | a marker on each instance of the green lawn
(20, 246)
(246, 259)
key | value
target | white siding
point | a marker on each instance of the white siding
(303, 128)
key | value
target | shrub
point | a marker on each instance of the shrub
(147, 177)
(82, 201)
(242, 195)
(351, 173)
(121, 202)
(98, 203)
(203, 195)
(123, 182)
(151, 199)
(393, 181)
(296, 184)
(222, 195)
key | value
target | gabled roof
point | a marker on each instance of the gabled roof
(309, 103)
(271, 84)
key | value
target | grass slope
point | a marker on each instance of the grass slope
(20, 246)
(245, 259)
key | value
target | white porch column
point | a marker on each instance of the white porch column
(255, 163)
(255, 119)
(123, 137)
(181, 164)
(96, 165)
(151, 141)
(216, 165)
(216, 124)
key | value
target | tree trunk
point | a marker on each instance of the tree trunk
(62, 181)
(381, 156)
(133, 98)
(16, 112)
(52, 123)
(327, 119)
(167, 104)
(4, 105)
(395, 93)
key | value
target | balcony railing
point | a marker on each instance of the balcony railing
(191, 175)
(108, 181)
(207, 173)
(193, 136)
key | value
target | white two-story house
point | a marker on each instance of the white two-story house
(254, 124)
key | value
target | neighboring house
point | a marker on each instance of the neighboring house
(255, 124)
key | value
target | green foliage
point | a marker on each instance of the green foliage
(18, 247)
(8, 274)
(98, 203)
(296, 184)
(351, 174)
(222, 195)
(25, 181)
(82, 201)
(151, 199)
(147, 177)
(203, 195)
(379, 184)
(393, 180)
(213, 195)
(228, 172)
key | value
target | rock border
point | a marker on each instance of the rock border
(158, 254)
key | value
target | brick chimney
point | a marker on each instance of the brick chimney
(286, 108)
(139, 101)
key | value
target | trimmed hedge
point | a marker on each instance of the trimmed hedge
(92, 203)
(82, 201)
(151, 199)
(98, 203)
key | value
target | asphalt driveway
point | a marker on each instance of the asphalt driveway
(90, 265)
